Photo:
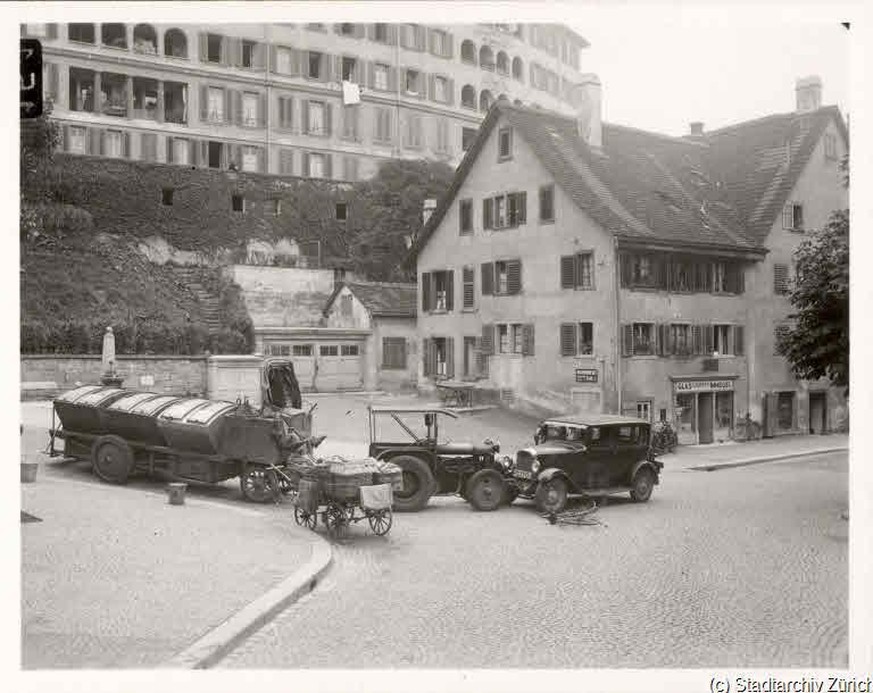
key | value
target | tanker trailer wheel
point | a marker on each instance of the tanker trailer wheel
(112, 459)
(258, 484)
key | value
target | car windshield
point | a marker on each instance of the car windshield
(399, 427)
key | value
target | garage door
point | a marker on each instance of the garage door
(339, 367)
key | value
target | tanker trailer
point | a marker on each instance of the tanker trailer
(122, 432)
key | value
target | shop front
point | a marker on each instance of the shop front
(703, 408)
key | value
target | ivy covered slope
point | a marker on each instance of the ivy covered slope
(78, 277)
(82, 219)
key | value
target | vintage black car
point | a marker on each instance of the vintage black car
(592, 455)
(410, 438)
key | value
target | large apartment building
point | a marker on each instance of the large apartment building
(313, 100)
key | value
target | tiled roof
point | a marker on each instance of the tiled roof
(718, 191)
(382, 298)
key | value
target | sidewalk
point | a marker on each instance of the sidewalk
(115, 577)
(732, 454)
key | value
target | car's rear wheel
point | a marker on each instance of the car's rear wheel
(551, 495)
(642, 485)
(485, 490)
(418, 484)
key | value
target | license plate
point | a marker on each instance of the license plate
(521, 474)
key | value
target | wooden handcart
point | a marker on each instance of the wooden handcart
(339, 510)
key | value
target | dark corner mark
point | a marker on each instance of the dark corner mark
(27, 517)
(845, 25)
(30, 85)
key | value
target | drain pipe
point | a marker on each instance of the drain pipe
(617, 350)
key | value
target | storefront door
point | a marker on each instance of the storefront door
(704, 417)
(818, 412)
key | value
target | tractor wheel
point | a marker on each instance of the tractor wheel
(418, 484)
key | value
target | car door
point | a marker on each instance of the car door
(597, 458)
(625, 453)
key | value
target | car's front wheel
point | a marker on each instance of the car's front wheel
(485, 490)
(551, 495)
(418, 484)
(642, 485)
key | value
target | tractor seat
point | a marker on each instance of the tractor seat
(464, 449)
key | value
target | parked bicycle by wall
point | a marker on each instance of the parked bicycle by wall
(664, 438)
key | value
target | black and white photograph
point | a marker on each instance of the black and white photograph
(438, 346)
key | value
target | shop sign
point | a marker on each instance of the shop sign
(586, 375)
(704, 385)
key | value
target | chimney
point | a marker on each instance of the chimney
(588, 124)
(695, 129)
(808, 91)
(429, 207)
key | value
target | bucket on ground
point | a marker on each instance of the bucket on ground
(176, 492)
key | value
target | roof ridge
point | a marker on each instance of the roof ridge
(821, 110)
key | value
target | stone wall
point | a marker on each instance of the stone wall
(49, 374)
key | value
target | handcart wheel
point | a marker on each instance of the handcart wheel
(335, 519)
(304, 518)
(380, 520)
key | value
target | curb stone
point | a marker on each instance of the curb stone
(760, 460)
(217, 643)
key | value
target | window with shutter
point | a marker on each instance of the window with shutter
(513, 277)
(527, 339)
(697, 339)
(586, 339)
(450, 357)
(426, 297)
(739, 340)
(487, 208)
(780, 278)
(487, 269)
(425, 357)
(627, 339)
(469, 293)
(487, 343)
(450, 289)
(547, 203)
(568, 339)
(465, 217)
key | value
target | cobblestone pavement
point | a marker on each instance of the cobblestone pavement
(744, 567)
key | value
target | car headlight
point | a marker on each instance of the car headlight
(535, 466)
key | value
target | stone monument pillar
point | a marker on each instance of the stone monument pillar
(110, 375)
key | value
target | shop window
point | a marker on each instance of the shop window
(685, 413)
(724, 409)
(785, 410)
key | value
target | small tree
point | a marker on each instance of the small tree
(818, 343)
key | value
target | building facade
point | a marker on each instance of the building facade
(314, 100)
(583, 266)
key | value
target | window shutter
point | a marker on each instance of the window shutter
(328, 165)
(469, 287)
(450, 290)
(204, 104)
(262, 110)
(431, 87)
(787, 217)
(627, 339)
(567, 338)
(513, 277)
(522, 207)
(486, 213)
(274, 61)
(425, 292)
(624, 261)
(450, 357)
(741, 279)
(65, 138)
(425, 357)
(527, 339)
(51, 80)
(229, 112)
(487, 278)
(568, 271)
(204, 47)
(450, 92)
(739, 340)
(371, 75)
(328, 119)
(392, 78)
(304, 115)
(305, 164)
(697, 344)
(286, 161)
(125, 144)
(780, 278)
(664, 339)
(487, 344)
